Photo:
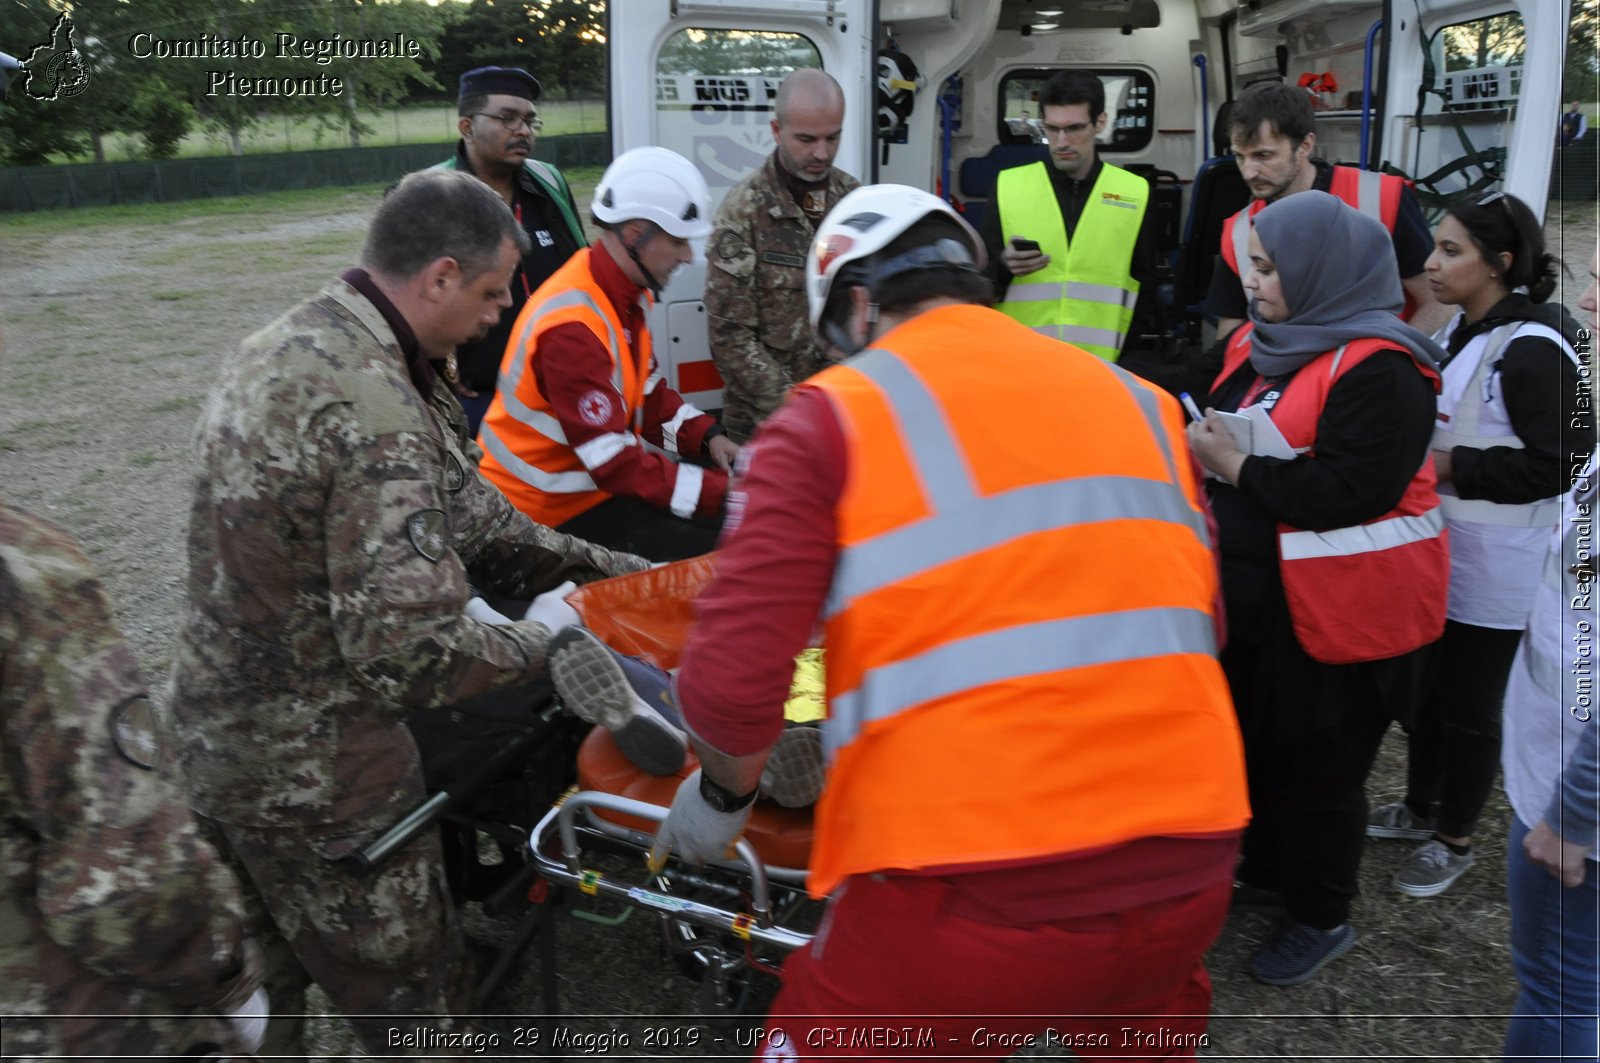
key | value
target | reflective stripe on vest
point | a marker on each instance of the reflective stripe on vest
(527, 454)
(1361, 538)
(961, 523)
(1013, 653)
(1367, 591)
(1464, 431)
(1086, 294)
(554, 483)
(1364, 192)
(511, 370)
(1064, 655)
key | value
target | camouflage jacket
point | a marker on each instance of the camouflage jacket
(755, 296)
(111, 906)
(336, 523)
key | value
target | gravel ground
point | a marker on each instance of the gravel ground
(113, 322)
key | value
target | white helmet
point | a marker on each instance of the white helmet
(868, 220)
(658, 186)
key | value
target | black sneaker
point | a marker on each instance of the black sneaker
(627, 697)
(1297, 951)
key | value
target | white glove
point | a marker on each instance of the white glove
(551, 609)
(478, 609)
(249, 1020)
(694, 830)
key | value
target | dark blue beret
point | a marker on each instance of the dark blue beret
(498, 81)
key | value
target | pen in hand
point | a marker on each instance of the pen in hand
(1188, 404)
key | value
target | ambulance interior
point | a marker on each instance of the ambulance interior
(942, 95)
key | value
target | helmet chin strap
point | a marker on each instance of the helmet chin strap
(837, 334)
(650, 280)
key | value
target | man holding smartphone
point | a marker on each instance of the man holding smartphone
(1077, 229)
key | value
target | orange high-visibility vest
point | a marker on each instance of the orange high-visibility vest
(1377, 195)
(525, 450)
(1021, 648)
(1372, 590)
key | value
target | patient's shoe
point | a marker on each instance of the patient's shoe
(795, 768)
(628, 697)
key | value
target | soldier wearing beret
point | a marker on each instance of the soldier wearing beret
(337, 520)
(755, 286)
(498, 123)
(121, 932)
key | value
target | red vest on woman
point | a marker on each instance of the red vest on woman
(1372, 590)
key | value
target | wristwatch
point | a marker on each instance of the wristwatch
(721, 799)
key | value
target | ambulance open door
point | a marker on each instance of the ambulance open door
(699, 77)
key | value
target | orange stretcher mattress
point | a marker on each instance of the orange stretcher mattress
(782, 836)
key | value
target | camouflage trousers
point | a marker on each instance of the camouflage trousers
(109, 1035)
(387, 949)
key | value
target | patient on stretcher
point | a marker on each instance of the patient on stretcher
(633, 699)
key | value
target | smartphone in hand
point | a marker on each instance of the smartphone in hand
(1019, 244)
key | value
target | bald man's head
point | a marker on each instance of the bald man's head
(808, 118)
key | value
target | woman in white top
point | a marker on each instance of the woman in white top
(1513, 428)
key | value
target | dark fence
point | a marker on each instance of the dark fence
(24, 188)
(1576, 174)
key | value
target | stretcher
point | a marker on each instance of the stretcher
(515, 758)
(722, 922)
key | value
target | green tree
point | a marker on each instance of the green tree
(1581, 78)
(568, 43)
(161, 117)
(31, 130)
(736, 52)
(372, 83)
(488, 33)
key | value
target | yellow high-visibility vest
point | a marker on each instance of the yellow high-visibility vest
(1086, 294)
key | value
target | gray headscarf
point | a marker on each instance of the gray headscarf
(1340, 282)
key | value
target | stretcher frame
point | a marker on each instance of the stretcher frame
(701, 934)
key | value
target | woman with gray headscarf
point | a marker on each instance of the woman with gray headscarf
(1334, 562)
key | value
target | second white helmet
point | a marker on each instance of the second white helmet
(658, 186)
(866, 221)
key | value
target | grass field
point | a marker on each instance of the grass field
(417, 124)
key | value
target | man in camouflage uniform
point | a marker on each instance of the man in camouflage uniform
(116, 919)
(336, 523)
(755, 289)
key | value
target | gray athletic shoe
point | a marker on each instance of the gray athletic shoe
(795, 768)
(1396, 820)
(627, 697)
(1431, 870)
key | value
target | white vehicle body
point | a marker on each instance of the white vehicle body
(1167, 64)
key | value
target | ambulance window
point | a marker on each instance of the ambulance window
(1479, 63)
(714, 94)
(1130, 107)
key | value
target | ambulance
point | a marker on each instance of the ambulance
(1460, 96)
